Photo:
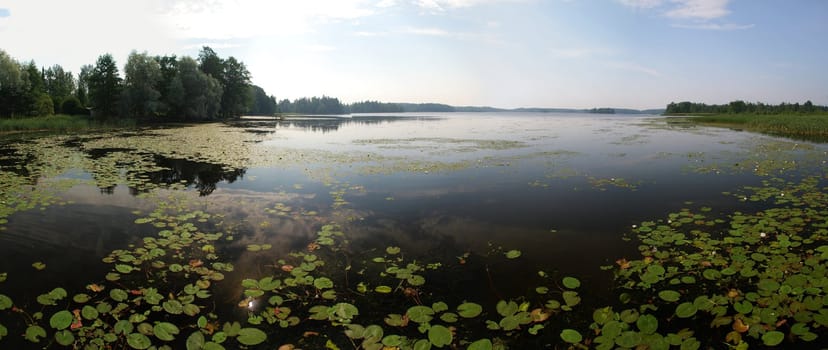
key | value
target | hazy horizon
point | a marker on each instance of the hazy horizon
(637, 54)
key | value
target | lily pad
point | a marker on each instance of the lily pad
(571, 336)
(5, 302)
(685, 310)
(138, 341)
(513, 254)
(165, 331)
(64, 337)
(773, 338)
(669, 295)
(482, 344)
(571, 282)
(61, 320)
(469, 310)
(34, 333)
(439, 336)
(251, 336)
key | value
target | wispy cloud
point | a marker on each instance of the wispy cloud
(429, 32)
(699, 9)
(577, 52)
(714, 26)
(443, 5)
(635, 67)
(641, 4)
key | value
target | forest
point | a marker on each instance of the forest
(736, 107)
(160, 88)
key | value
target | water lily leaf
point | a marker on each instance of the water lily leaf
(118, 294)
(482, 344)
(123, 327)
(571, 336)
(513, 254)
(628, 339)
(602, 315)
(647, 324)
(80, 298)
(251, 336)
(3, 331)
(416, 280)
(469, 310)
(571, 282)
(685, 310)
(34, 333)
(173, 307)
(439, 336)
(165, 331)
(64, 337)
(5, 302)
(420, 314)
(571, 298)
(89, 312)
(195, 341)
(383, 289)
(323, 283)
(392, 250)
(39, 265)
(190, 309)
(669, 295)
(422, 344)
(392, 340)
(123, 268)
(505, 308)
(773, 338)
(138, 341)
(542, 290)
(439, 307)
(61, 320)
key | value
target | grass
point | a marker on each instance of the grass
(810, 126)
(60, 122)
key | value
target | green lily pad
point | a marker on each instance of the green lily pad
(251, 336)
(669, 295)
(138, 341)
(420, 314)
(165, 331)
(482, 344)
(61, 320)
(5, 302)
(323, 283)
(383, 289)
(513, 254)
(773, 338)
(571, 282)
(685, 310)
(647, 324)
(628, 339)
(89, 312)
(195, 341)
(439, 336)
(34, 333)
(64, 337)
(571, 336)
(469, 310)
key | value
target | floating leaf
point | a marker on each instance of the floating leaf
(138, 341)
(165, 331)
(61, 320)
(469, 310)
(513, 254)
(420, 314)
(323, 283)
(89, 313)
(5, 302)
(173, 306)
(439, 336)
(686, 310)
(571, 336)
(773, 338)
(628, 339)
(647, 324)
(34, 333)
(392, 250)
(669, 295)
(383, 289)
(195, 341)
(39, 265)
(64, 337)
(118, 294)
(251, 336)
(571, 282)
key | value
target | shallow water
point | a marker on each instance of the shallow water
(563, 189)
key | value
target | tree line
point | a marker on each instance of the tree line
(153, 87)
(744, 107)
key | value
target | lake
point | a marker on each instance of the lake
(414, 231)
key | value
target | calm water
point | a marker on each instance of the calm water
(562, 189)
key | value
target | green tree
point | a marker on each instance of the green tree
(210, 63)
(236, 84)
(59, 85)
(140, 97)
(202, 92)
(105, 86)
(261, 103)
(35, 98)
(82, 90)
(13, 85)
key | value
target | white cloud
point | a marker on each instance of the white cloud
(442, 5)
(699, 9)
(634, 67)
(227, 19)
(715, 26)
(642, 4)
(428, 31)
(577, 52)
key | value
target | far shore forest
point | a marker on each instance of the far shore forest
(209, 87)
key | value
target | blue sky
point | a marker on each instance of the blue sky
(505, 53)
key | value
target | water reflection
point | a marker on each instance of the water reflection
(202, 176)
(324, 124)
